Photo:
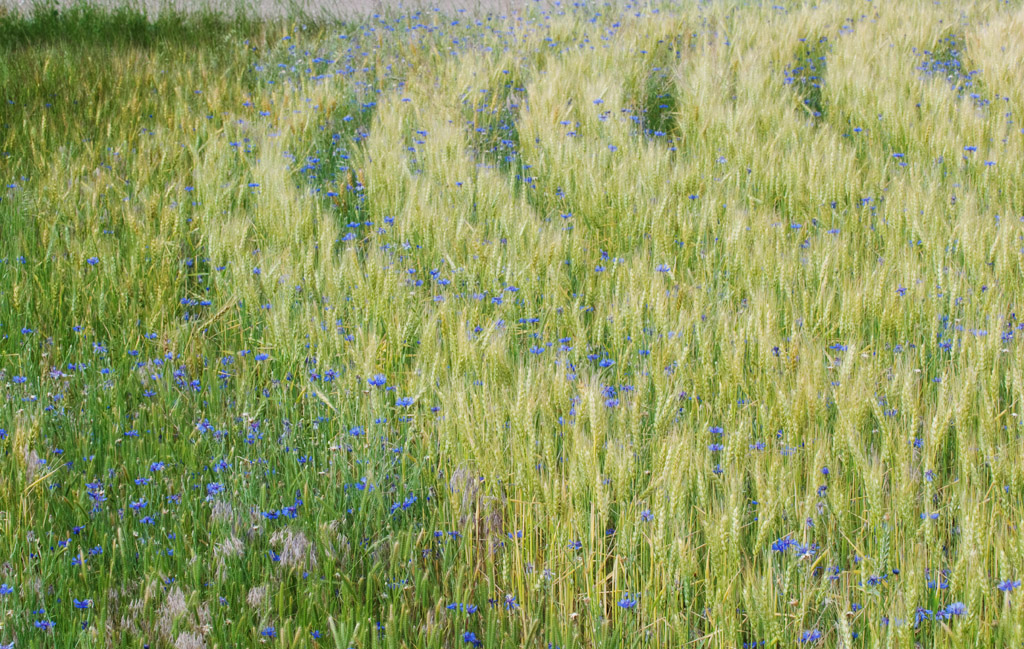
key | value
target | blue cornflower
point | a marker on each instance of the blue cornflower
(806, 551)
(404, 402)
(646, 516)
(269, 632)
(606, 362)
(783, 544)
(5, 589)
(93, 261)
(471, 638)
(627, 602)
(81, 603)
(810, 636)
(956, 608)
(1008, 585)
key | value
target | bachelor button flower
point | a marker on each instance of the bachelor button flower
(954, 609)
(716, 430)
(626, 602)
(1008, 585)
(810, 636)
(806, 551)
(606, 362)
(269, 632)
(377, 380)
(81, 603)
(93, 261)
(662, 268)
(5, 590)
(783, 544)
(646, 516)
(404, 402)
(471, 638)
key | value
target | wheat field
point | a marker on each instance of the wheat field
(575, 325)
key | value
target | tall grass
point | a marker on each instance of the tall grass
(608, 325)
